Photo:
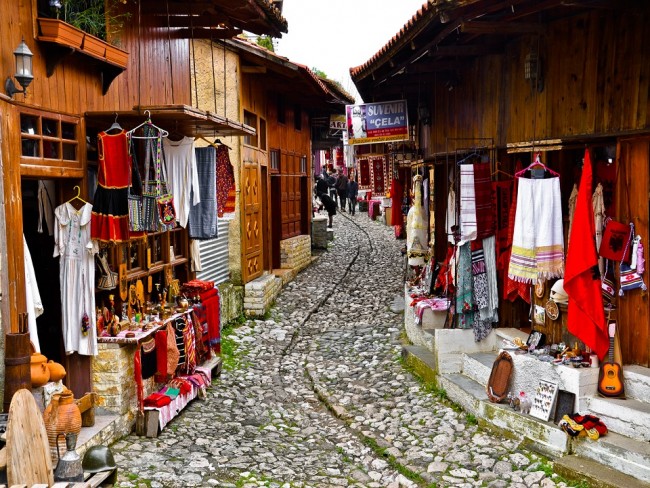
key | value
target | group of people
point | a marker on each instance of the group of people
(333, 186)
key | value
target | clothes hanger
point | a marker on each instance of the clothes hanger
(218, 141)
(115, 126)
(536, 163)
(473, 155)
(77, 196)
(197, 138)
(497, 171)
(149, 123)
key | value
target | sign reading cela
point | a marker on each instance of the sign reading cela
(368, 123)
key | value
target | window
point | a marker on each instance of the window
(262, 134)
(275, 159)
(48, 136)
(297, 117)
(282, 111)
(250, 119)
(303, 164)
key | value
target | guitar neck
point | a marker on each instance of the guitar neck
(611, 349)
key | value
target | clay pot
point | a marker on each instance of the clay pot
(57, 371)
(40, 372)
(61, 416)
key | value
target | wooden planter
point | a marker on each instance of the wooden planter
(94, 46)
(116, 56)
(59, 32)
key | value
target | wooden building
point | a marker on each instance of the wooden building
(510, 79)
(47, 133)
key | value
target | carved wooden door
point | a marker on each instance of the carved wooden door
(252, 261)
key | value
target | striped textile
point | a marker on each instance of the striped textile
(468, 228)
(538, 240)
(203, 215)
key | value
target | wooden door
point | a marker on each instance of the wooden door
(290, 198)
(633, 325)
(252, 240)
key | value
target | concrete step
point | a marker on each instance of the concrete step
(637, 383)
(630, 417)
(594, 474)
(628, 456)
(478, 366)
(537, 435)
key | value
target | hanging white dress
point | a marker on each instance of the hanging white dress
(182, 177)
(416, 228)
(76, 251)
(32, 297)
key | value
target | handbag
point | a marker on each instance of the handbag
(108, 279)
(165, 201)
(134, 197)
(152, 185)
(616, 240)
(607, 286)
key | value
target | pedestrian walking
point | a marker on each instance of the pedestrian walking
(342, 189)
(353, 191)
(330, 206)
(331, 182)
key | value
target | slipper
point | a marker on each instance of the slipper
(582, 419)
(595, 429)
(573, 424)
(567, 428)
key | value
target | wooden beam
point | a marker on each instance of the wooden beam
(467, 50)
(203, 20)
(204, 33)
(501, 27)
(253, 70)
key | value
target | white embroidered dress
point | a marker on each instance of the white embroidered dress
(77, 276)
(182, 177)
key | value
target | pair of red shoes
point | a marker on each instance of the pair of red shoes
(583, 425)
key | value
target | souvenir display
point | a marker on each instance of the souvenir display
(544, 400)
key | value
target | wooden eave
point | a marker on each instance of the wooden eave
(445, 36)
(184, 119)
(197, 18)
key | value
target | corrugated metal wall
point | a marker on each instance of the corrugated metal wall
(214, 256)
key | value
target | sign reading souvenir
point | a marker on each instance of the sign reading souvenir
(337, 122)
(368, 123)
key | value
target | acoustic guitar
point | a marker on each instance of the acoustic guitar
(610, 378)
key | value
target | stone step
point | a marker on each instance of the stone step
(478, 366)
(628, 456)
(544, 437)
(637, 383)
(630, 417)
(594, 474)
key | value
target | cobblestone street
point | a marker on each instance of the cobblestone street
(318, 396)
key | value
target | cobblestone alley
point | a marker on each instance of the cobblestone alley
(317, 396)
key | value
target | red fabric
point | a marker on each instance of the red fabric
(502, 194)
(211, 305)
(511, 288)
(378, 182)
(397, 194)
(586, 317)
(485, 217)
(157, 400)
(161, 356)
(225, 182)
(364, 173)
(137, 376)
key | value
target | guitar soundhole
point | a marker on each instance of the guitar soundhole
(610, 374)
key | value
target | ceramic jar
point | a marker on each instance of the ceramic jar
(61, 416)
(39, 370)
(57, 371)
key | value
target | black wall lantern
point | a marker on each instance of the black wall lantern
(24, 74)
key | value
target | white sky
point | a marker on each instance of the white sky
(335, 35)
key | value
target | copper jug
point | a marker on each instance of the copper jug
(61, 416)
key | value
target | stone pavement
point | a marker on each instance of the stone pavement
(316, 396)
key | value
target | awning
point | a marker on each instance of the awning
(184, 119)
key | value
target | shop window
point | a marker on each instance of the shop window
(250, 119)
(49, 136)
(275, 159)
(262, 134)
(297, 117)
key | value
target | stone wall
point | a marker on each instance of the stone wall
(319, 235)
(295, 253)
(113, 381)
(231, 302)
(260, 294)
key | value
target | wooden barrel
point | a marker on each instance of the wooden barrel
(18, 375)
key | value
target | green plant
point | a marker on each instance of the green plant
(103, 19)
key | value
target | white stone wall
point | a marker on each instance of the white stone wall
(260, 293)
(295, 253)
(319, 234)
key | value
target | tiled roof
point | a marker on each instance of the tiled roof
(274, 14)
(423, 15)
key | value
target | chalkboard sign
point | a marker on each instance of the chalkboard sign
(565, 404)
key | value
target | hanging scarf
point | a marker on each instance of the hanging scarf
(225, 182)
(190, 347)
(452, 218)
(598, 204)
(538, 239)
(467, 203)
(485, 216)
(490, 313)
(464, 289)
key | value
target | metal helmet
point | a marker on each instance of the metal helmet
(98, 459)
(558, 295)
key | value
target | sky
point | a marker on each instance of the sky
(335, 35)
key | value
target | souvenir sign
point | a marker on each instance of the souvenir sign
(539, 315)
(544, 400)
